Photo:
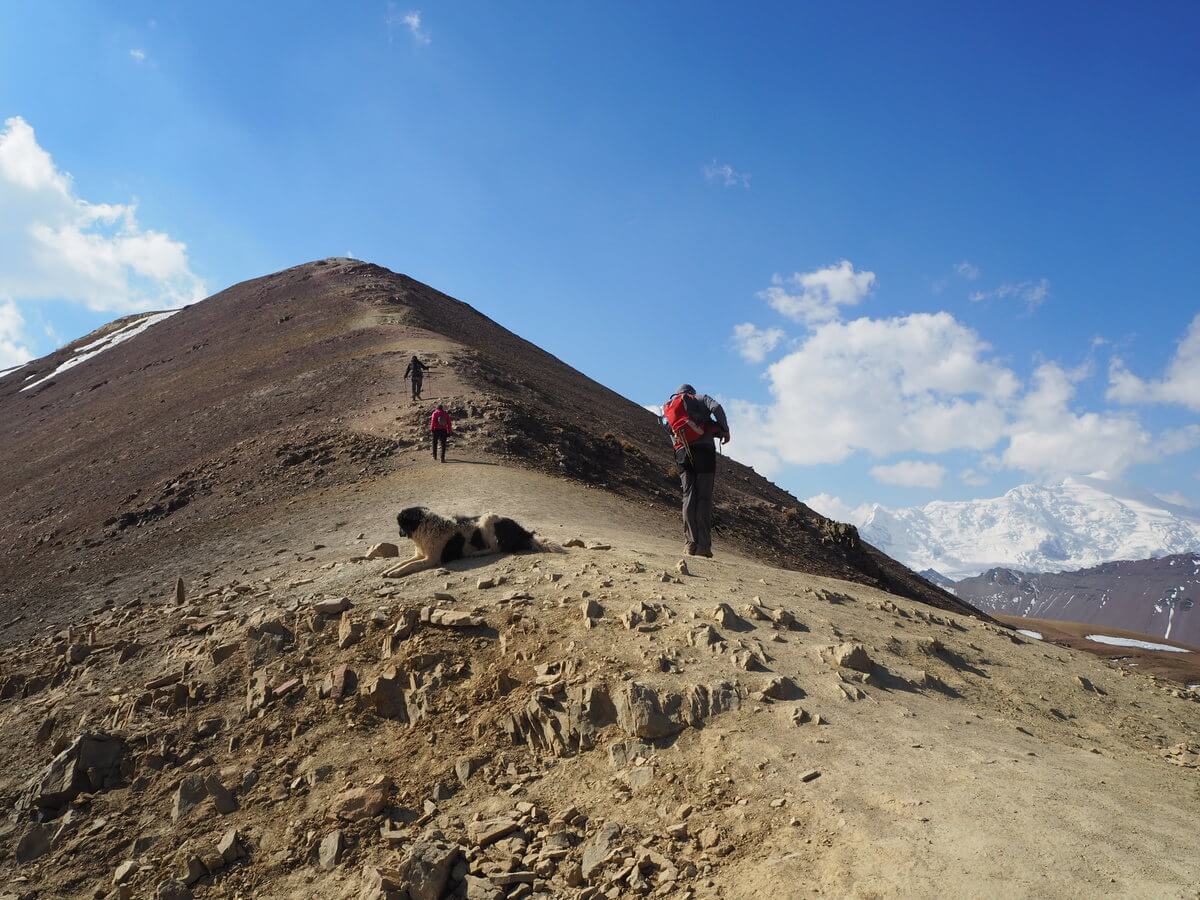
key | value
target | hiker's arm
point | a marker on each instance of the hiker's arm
(719, 414)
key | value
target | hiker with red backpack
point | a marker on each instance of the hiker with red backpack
(695, 421)
(439, 429)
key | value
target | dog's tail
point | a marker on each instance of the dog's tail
(544, 545)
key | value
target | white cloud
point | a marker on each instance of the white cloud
(138, 55)
(1048, 438)
(410, 20)
(920, 383)
(14, 350)
(1177, 499)
(754, 343)
(814, 297)
(751, 441)
(925, 383)
(1031, 293)
(973, 478)
(413, 21)
(833, 508)
(55, 245)
(726, 175)
(1180, 383)
(910, 473)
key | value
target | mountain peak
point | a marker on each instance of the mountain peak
(1074, 523)
(241, 403)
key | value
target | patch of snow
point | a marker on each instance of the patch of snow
(1036, 635)
(1133, 642)
(96, 347)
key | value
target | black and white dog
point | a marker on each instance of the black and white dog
(441, 540)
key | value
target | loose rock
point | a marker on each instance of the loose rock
(330, 853)
(852, 656)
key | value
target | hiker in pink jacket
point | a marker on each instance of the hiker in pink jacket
(439, 429)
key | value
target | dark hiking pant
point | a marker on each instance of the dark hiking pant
(416, 387)
(697, 506)
(439, 436)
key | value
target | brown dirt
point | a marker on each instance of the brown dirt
(967, 762)
(948, 776)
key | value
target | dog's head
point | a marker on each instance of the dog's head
(410, 520)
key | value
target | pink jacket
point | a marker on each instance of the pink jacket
(440, 421)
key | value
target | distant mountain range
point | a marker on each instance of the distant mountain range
(1151, 596)
(1076, 523)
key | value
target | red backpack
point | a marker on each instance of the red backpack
(687, 418)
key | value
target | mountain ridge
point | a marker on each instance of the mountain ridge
(1156, 597)
(296, 377)
(1075, 523)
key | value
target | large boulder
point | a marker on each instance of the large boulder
(385, 694)
(426, 867)
(599, 848)
(651, 713)
(563, 720)
(648, 713)
(852, 656)
(191, 792)
(91, 763)
(35, 842)
(362, 803)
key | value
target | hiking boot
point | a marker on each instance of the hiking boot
(689, 549)
(705, 553)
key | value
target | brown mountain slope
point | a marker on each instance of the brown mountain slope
(293, 382)
(291, 722)
(1155, 597)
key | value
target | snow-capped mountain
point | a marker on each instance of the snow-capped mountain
(1072, 524)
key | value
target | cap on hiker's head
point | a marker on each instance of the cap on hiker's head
(686, 389)
(440, 408)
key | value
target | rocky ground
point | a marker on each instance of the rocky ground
(209, 687)
(600, 722)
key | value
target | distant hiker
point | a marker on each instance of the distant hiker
(694, 421)
(439, 429)
(416, 371)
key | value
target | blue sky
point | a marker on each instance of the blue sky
(965, 233)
